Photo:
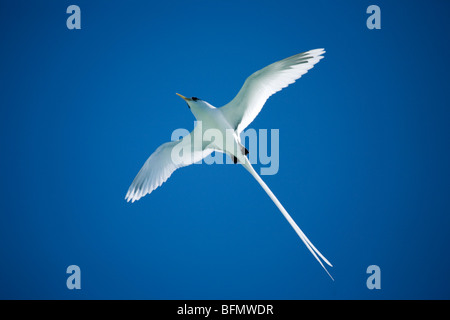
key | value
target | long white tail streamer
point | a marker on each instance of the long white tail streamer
(300, 233)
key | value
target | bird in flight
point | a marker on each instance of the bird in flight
(229, 120)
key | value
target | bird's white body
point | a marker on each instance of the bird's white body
(213, 118)
(229, 120)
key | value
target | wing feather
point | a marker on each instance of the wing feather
(162, 163)
(247, 104)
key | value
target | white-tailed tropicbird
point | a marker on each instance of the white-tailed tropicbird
(230, 120)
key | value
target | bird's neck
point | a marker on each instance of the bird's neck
(202, 110)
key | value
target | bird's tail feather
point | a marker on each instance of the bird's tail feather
(300, 233)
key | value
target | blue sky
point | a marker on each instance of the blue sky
(363, 151)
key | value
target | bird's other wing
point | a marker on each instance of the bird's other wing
(244, 108)
(162, 163)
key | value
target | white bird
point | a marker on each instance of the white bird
(230, 120)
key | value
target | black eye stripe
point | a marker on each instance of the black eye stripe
(195, 98)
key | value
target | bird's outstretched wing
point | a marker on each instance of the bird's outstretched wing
(244, 108)
(163, 162)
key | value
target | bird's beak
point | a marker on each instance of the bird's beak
(183, 97)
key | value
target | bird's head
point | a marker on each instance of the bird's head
(196, 105)
(189, 101)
